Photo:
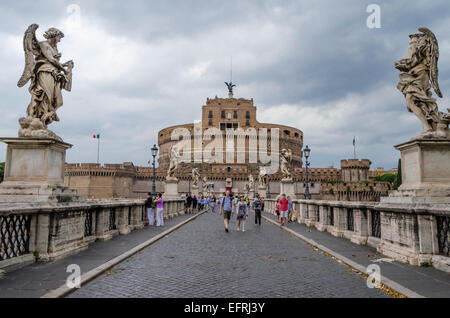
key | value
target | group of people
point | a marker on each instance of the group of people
(193, 204)
(284, 210)
(240, 206)
(154, 205)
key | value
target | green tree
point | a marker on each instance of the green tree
(388, 177)
(398, 180)
(2, 170)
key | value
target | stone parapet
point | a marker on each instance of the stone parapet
(416, 234)
(50, 231)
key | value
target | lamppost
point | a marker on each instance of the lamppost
(154, 154)
(307, 195)
(268, 188)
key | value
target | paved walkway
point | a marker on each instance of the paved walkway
(426, 281)
(201, 260)
(38, 279)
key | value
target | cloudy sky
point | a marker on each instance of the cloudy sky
(144, 65)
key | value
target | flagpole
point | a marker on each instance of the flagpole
(354, 147)
(98, 151)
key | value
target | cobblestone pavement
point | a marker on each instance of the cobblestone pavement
(201, 260)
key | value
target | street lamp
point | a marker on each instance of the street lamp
(154, 154)
(307, 195)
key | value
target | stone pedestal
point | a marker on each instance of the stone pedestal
(425, 173)
(171, 189)
(262, 191)
(412, 238)
(34, 171)
(194, 191)
(288, 188)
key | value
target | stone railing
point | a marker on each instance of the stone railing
(409, 234)
(31, 231)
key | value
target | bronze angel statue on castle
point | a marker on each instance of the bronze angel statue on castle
(48, 77)
(418, 74)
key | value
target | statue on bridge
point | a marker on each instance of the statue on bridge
(175, 160)
(418, 74)
(195, 176)
(285, 161)
(48, 77)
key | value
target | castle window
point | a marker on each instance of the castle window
(229, 169)
(223, 114)
(247, 115)
(235, 115)
(287, 132)
(210, 114)
(210, 122)
(247, 122)
(296, 135)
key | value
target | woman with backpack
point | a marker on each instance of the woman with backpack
(242, 213)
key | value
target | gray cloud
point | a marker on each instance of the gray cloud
(145, 65)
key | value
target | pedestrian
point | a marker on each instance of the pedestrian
(194, 203)
(242, 213)
(149, 204)
(284, 208)
(213, 204)
(289, 209)
(226, 208)
(159, 210)
(257, 207)
(207, 202)
(189, 204)
(277, 210)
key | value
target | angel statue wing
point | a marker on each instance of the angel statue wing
(31, 48)
(433, 60)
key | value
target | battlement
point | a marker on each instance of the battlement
(355, 163)
(229, 102)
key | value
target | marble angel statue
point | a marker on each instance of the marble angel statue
(418, 74)
(48, 78)
(285, 161)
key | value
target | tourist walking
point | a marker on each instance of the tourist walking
(277, 210)
(289, 209)
(257, 205)
(189, 204)
(150, 205)
(284, 208)
(213, 204)
(242, 213)
(194, 204)
(159, 210)
(226, 208)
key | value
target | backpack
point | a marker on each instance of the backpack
(257, 205)
(241, 211)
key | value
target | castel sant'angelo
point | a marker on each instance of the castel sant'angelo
(351, 182)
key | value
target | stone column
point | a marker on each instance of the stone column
(302, 218)
(312, 215)
(122, 215)
(102, 225)
(340, 222)
(360, 224)
(323, 223)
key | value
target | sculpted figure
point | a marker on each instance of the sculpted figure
(195, 176)
(418, 74)
(263, 178)
(285, 161)
(205, 184)
(48, 77)
(251, 182)
(175, 159)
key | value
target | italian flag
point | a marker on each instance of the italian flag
(96, 136)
